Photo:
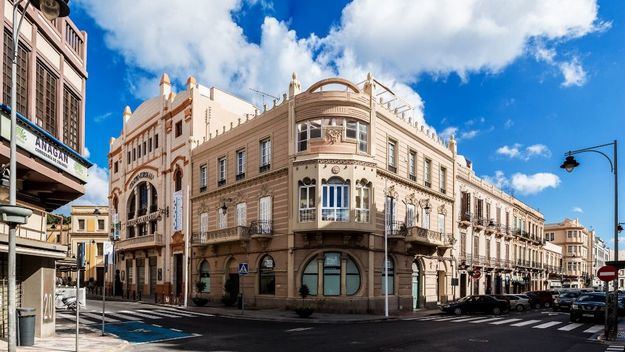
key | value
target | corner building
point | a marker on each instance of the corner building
(150, 181)
(306, 192)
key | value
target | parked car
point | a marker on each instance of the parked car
(515, 301)
(477, 304)
(589, 305)
(565, 299)
(539, 299)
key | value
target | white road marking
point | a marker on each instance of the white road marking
(160, 314)
(430, 318)
(149, 316)
(547, 325)
(72, 317)
(484, 320)
(466, 319)
(122, 316)
(593, 329)
(177, 330)
(527, 322)
(99, 317)
(445, 319)
(505, 321)
(188, 312)
(181, 313)
(298, 329)
(570, 327)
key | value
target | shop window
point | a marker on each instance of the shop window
(267, 276)
(333, 274)
(391, 278)
(310, 277)
(335, 200)
(205, 276)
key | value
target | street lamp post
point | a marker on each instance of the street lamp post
(14, 215)
(569, 165)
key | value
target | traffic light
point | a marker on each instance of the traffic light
(80, 255)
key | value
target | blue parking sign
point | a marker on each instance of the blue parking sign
(243, 269)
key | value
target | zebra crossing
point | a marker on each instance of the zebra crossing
(91, 316)
(540, 324)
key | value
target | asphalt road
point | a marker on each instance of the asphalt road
(528, 331)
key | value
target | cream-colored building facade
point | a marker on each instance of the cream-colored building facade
(500, 246)
(577, 244)
(90, 225)
(305, 194)
(150, 184)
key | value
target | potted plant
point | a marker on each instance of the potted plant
(197, 300)
(304, 310)
(230, 297)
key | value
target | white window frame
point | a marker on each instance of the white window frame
(335, 212)
(265, 152)
(362, 207)
(306, 131)
(410, 215)
(241, 214)
(240, 161)
(425, 216)
(442, 178)
(391, 149)
(311, 193)
(390, 210)
(222, 166)
(222, 218)
(427, 171)
(203, 226)
(203, 176)
(441, 223)
(412, 163)
(361, 130)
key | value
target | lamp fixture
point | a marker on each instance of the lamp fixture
(569, 164)
(52, 9)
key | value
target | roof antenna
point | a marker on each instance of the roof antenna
(263, 94)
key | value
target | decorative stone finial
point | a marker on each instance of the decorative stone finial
(369, 86)
(127, 113)
(165, 85)
(295, 87)
(191, 82)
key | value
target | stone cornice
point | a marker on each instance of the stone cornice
(412, 184)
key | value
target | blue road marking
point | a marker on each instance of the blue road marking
(137, 332)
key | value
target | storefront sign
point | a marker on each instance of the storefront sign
(44, 148)
(141, 175)
(177, 213)
(143, 219)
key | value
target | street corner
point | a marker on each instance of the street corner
(137, 332)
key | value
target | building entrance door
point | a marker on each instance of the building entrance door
(99, 274)
(140, 277)
(415, 286)
(152, 277)
(463, 285)
(179, 278)
(441, 280)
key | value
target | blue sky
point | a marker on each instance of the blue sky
(519, 86)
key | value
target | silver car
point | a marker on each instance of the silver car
(518, 302)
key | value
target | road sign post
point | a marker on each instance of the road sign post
(609, 273)
(243, 270)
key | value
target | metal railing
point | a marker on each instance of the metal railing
(227, 234)
(261, 227)
(154, 238)
(362, 215)
(395, 228)
(340, 215)
(428, 236)
(465, 216)
(308, 215)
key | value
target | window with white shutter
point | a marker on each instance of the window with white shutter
(241, 214)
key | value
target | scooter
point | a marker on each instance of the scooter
(70, 303)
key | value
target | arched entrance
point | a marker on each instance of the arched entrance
(416, 282)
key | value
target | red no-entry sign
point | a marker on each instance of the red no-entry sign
(607, 273)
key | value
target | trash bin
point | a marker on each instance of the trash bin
(25, 326)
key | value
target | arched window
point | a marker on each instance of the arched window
(391, 278)
(307, 200)
(335, 200)
(205, 276)
(142, 188)
(177, 180)
(115, 204)
(334, 274)
(154, 200)
(310, 277)
(267, 276)
(131, 206)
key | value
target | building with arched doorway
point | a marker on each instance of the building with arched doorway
(150, 181)
(306, 193)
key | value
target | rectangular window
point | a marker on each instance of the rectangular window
(45, 98)
(222, 218)
(129, 159)
(442, 179)
(240, 164)
(410, 215)
(441, 223)
(264, 214)
(390, 226)
(139, 151)
(178, 129)
(265, 154)
(203, 178)
(150, 145)
(134, 154)
(425, 214)
(203, 224)
(302, 136)
(332, 274)
(307, 206)
(221, 171)
(335, 201)
(427, 172)
(241, 214)
(22, 74)
(155, 141)
(391, 156)
(362, 203)
(144, 148)
(81, 224)
(99, 248)
(359, 131)
(412, 165)
(100, 224)
(116, 167)
(71, 119)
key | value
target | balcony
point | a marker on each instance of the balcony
(465, 219)
(142, 211)
(229, 234)
(428, 237)
(261, 228)
(480, 222)
(362, 216)
(392, 168)
(395, 229)
(153, 240)
(413, 178)
(308, 215)
(153, 209)
(334, 214)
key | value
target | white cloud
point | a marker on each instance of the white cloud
(573, 72)
(577, 210)
(532, 184)
(508, 124)
(524, 184)
(102, 117)
(516, 151)
(448, 132)
(87, 153)
(469, 134)
(398, 41)
(96, 190)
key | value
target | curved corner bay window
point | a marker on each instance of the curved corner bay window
(307, 196)
(362, 201)
(335, 199)
(267, 276)
(357, 130)
(391, 278)
(205, 276)
(305, 131)
(334, 274)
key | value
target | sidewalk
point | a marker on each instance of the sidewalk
(65, 341)
(282, 315)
